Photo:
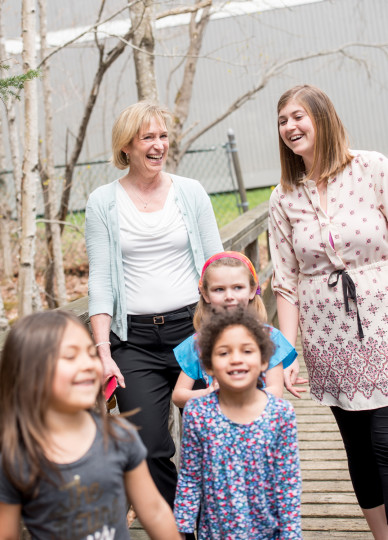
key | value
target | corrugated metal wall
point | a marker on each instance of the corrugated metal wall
(237, 51)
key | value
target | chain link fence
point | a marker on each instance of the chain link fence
(211, 166)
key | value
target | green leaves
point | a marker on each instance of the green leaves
(11, 86)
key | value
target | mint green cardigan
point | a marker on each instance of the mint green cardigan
(106, 275)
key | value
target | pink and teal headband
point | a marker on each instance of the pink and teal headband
(231, 255)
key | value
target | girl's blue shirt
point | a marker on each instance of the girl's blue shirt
(187, 356)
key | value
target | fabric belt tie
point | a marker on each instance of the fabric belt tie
(349, 291)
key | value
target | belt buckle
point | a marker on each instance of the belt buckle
(159, 319)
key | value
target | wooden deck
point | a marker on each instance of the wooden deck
(329, 507)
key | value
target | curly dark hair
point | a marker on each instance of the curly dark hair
(217, 321)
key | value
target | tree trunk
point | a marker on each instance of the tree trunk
(184, 93)
(5, 240)
(53, 231)
(15, 153)
(13, 136)
(3, 318)
(27, 285)
(143, 38)
(5, 213)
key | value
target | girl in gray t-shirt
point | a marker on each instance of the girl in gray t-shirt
(67, 471)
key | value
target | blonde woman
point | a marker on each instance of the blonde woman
(148, 235)
(329, 244)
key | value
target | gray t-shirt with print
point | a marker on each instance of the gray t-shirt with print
(89, 501)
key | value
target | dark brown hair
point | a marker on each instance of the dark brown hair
(214, 325)
(203, 308)
(331, 148)
(27, 366)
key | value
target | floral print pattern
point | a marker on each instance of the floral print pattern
(245, 477)
(344, 370)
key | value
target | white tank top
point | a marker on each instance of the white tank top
(159, 270)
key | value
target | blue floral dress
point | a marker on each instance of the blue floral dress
(245, 477)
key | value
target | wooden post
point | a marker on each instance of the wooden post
(252, 249)
(237, 169)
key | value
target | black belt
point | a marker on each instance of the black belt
(186, 312)
(349, 291)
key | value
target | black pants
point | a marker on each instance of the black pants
(150, 370)
(365, 436)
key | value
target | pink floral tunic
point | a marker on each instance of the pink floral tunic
(307, 244)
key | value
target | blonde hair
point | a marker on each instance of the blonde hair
(129, 123)
(203, 308)
(331, 147)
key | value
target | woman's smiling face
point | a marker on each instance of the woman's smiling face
(148, 150)
(297, 131)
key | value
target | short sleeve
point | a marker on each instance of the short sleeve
(285, 264)
(187, 357)
(8, 493)
(380, 177)
(284, 351)
(130, 445)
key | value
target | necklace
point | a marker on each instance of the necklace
(144, 203)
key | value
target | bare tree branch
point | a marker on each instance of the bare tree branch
(59, 222)
(184, 93)
(182, 56)
(92, 28)
(183, 10)
(103, 66)
(271, 72)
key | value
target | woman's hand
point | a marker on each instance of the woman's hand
(110, 368)
(101, 327)
(288, 323)
(291, 378)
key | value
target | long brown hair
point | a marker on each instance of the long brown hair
(27, 366)
(331, 147)
(203, 308)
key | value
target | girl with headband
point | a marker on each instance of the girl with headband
(228, 280)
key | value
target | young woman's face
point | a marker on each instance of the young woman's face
(236, 359)
(78, 372)
(297, 131)
(148, 150)
(228, 287)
